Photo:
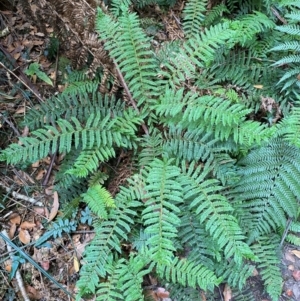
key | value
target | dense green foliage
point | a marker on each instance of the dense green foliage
(215, 179)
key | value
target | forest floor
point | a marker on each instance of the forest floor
(29, 199)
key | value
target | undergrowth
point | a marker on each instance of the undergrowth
(214, 143)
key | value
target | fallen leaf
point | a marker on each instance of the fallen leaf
(289, 292)
(27, 225)
(296, 275)
(227, 293)
(24, 236)
(288, 256)
(15, 218)
(55, 206)
(40, 175)
(33, 294)
(162, 293)
(45, 265)
(76, 264)
(296, 252)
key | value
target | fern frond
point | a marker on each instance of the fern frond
(268, 190)
(89, 159)
(194, 237)
(193, 16)
(214, 210)
(129, 46)
(57, 229)
(163, 193)
(80, 105)
(187, 273)
(196, 52)
(96, 132)
(266, 249)
(99, 200)
(234, 274)
(215, 14)
(98, 255)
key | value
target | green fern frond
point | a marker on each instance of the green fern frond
(98, 255)
(163, 193)
(268, 190)
(80, 105)
(99, 200)
(215, 211)
(129, 46)
(215, 14)
(193, 16)
(89, 160)
(57, 229)
(96, 132)
(181, 293)
(194, 237)
(187, 273)
(196, 52)
(234, 274)
(266, 249)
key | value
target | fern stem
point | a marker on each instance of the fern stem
(133, 103)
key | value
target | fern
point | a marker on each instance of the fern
(129, 46)
(266, 250)
(163, 192)
(98, 255)
(98, 199)
(214, 183)
(95, 132)
(193, 16)
(268, 190)
(186, 272)
(216, 212)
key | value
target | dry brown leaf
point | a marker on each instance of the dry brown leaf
(33, 294)
(227, 293)
(296, 252)
(45, 264)
(289, 256)
(55, 206)
(27, 225)
(76, 264)
(15, 218)
(296, 275)
(12, 231)
(36, 164)
(162, 293)
(43, 211)
(24, 236)
(25, 131)
(21, 110)
(40, 175)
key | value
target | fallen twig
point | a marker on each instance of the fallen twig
(11, 125)
(18, 274)
(21, 196)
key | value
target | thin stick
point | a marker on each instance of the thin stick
(35, 264)
(286, 230)
(11, 125)
(46, 179)
(21, 196)
(18, 78)
(122, 80)
(18, 274)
